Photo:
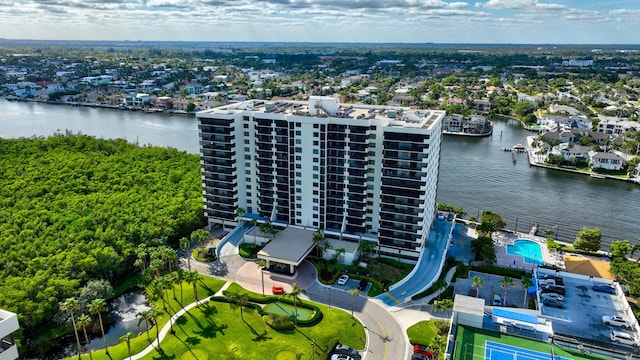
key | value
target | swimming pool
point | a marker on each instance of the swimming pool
(529, 250)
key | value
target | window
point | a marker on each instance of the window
(298, 174)
(315, 208)
(315, 216)
(247, 180)
(315, 184)
(315, 223)
(315, 160)
(298, 166)
(298, 213)
(316, 142)
(298, 133)
(246, 149)
(248, 187)
(247, 172)
(315, 126)
(299, 141)
(247, 157)
(246, 141)
(246, 126)
(298, 190)
(299, 198)
(315, 151)
(315, 200)
(298, 206)
(246, 133)
(298, 149)
(315, 176)
(298, 182)
(315, 168)
(298, 158)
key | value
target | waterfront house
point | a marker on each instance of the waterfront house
(605, 161)
(571, 152)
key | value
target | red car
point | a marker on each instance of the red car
(423, 350)
(277, 290)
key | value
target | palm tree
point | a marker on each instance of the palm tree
(180, 276)
(295, 295)
(185, 245)
(145, 316)
(164, 283)
(366, 248)
(254, 222)
(84, 321)
(477, 282)
(70, 305)
(318, 236)
(526, 284)
(354, 293)
(506, 284)
(437, 344)
(237, 300)
(439, 285)
(127, 337)
(97, 306)
(192, 278)
(240, 211)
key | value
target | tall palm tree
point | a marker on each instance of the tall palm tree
(84, 321)
(180, 276)
(506, 284)
(526, 284)
(165, 283)
(70, 305)
(477, 282)
(439, 285)
(295, 293)
(145, 316)
(354, 293)
(153, 316)
(240, 211)
(254, 222)
(97, 306)
(185, 245)
(127, 337)
(192, 278)
(237, 300)
(318, 237)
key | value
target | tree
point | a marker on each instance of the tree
(588, 239)
(240, 212)
(490, 222)
(620, 248)
(97, 306)
(439, 285)
(442, 305)
(318, 237)
(354, 293)
(237, 300)
(192, 278)
(145, 316)
(267, 228)
(477, 282)
(127, 337)
(84, 321)
(295, 293)
(526, 284)
(185, 245)
(70, 306)
(180, 276)
(254, 222)
(437, 344)
(366, 248)
(506, 283)
(199, 236)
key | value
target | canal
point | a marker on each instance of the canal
(474, 173)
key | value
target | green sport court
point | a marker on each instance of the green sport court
(478, 344)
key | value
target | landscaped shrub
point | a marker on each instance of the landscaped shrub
(279, 322)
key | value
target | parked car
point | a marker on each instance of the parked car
(616, 321)
(363, 284)
(552, 296)
(422, 349)
(277, 290)
(347, 350)
(553, 289)
(557, 280)
(419, 357)
(497, 300)
(605, 288)
(341, 357)
(624, 338)
(342, 280)
(553, 302)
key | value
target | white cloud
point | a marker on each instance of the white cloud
(508, 4)
(458, 5)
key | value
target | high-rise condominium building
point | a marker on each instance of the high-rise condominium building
(8, 326)
(358, 172)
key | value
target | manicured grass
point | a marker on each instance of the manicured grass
(206, 286)
(422, 332)
(217, 331)
(471, 345)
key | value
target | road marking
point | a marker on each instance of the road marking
(384, 330)
(392, 297)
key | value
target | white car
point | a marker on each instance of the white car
(343, 279)
(552, 296)
(616, 321)
(623, 338)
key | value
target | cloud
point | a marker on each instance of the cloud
(587, 16)
(458, 5)
(508, 4)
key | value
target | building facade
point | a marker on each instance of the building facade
(358, 172)
(8, 326)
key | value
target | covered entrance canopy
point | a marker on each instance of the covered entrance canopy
(289, 247)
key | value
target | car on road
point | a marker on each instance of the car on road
(616, 321)
(552, 296)
(342, 280)
(553, 302)
(347, 350)
(605, 288)
(423, 350)
(624, 338)
(363, 284)
(553, 289)
(277, 290)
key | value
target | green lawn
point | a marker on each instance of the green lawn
(217, 331)
(471, 345)
(422, 332)
(206, 286)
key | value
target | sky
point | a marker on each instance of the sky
(370, 21)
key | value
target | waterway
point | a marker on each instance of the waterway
(474, 173)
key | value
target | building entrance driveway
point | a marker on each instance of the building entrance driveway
(251, 277)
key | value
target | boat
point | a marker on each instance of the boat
(518, 148)
(597, 176)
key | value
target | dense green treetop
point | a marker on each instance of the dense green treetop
(73, 209)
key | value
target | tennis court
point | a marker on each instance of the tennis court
(498, 351)
(480, 344)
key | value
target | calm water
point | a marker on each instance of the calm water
(474, 173)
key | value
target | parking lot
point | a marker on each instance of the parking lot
(515, 294)
(584, 309)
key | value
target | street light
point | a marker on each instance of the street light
(262, 276)
(313, 352)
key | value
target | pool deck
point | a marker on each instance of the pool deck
(502, 239)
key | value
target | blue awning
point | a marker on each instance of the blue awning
(508, 314)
